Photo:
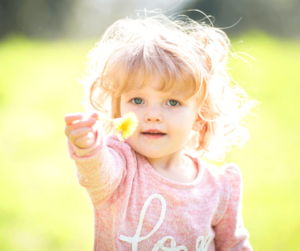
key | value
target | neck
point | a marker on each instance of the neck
(175, 160)
(176, 167)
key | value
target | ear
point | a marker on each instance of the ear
(198, 123)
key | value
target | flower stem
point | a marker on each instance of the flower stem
(111, 120)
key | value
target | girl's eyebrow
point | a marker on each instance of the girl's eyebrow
(139, 93)
(131, 92)
(170, 94)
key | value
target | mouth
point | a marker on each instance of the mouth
(153, 134)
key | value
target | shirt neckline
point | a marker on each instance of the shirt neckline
(172, 183)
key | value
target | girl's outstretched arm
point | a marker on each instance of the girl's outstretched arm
(100, 169)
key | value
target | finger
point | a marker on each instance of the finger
(83, 123)
(85, 141)
(67, 130)
(79, 124)
(71, 117)
(94, 115)
(75, 134)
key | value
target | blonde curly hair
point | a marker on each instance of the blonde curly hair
(189, 57)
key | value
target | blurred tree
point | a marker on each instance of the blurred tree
(86, 18)
(279, 17)
(39, 18)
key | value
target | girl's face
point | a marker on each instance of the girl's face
(165, 120)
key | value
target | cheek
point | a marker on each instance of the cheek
(184, 118)
(181, 126)
(129, 141)
(127, 107)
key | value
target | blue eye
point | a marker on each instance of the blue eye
(137, 101)
(173, 102)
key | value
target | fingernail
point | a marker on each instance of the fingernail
(90, 135)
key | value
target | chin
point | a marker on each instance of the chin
(153, 154)
(148, 153)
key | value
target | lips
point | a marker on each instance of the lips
(153, 134)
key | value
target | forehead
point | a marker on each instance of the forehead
(131, 68)
(179, 86)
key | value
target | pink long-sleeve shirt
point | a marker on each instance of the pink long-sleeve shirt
(135, 208)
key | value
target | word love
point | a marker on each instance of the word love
(202, 243)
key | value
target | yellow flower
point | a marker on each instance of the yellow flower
(127, 124)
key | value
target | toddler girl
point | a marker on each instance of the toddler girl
(153, 191)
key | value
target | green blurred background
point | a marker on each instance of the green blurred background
(42, 207)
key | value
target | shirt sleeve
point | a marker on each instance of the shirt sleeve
(100, 168)
(230, 233)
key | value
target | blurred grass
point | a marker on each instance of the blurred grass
(42, 206)
(270, 162)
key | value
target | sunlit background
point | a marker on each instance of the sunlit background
(43, 47)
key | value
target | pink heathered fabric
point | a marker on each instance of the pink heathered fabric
(119, 181)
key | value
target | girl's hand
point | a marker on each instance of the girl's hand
(81, 129)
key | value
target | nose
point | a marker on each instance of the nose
(153, 115)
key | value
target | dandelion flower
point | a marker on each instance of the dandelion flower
(127, 124)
